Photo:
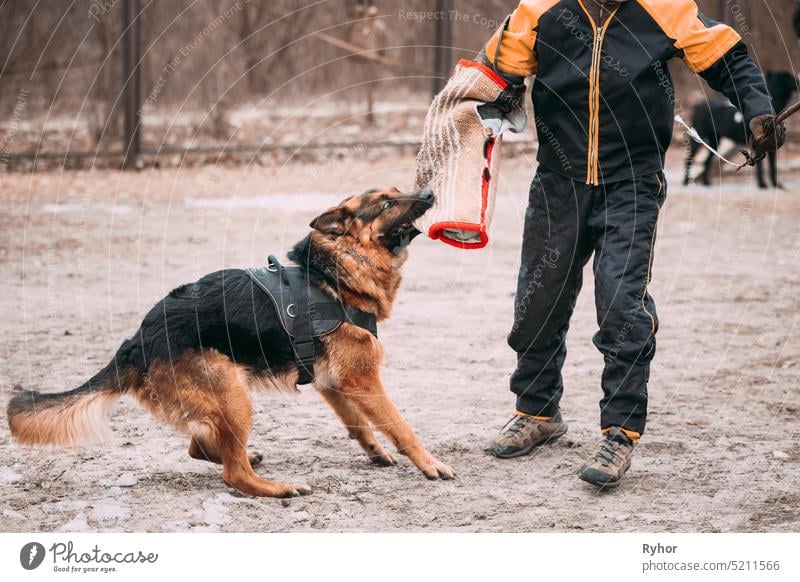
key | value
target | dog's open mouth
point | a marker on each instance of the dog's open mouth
(419, 209)
(405, 229)
(400, 235)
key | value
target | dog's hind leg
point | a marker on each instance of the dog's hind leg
(231, 428)
(705, 177)
(237, 472)
(762, 183)
(357, 425)
(690, 155)
(773, 170)
(206, 395)
(201, 450)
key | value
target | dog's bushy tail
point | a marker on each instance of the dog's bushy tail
(72, 418)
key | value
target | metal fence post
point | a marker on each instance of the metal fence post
(443, 45)
(131, 81)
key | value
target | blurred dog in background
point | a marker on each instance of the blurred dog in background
(718, 119)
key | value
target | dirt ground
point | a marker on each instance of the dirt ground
(83, 255)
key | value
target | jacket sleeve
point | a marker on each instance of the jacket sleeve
(715, 52)
(511, 47)
(737, 77)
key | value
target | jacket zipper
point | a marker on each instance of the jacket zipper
(593, 153)
(594, 116)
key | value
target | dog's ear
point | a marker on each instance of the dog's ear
(334, 221)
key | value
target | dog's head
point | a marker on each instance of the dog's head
(378, 221)
(359, 246)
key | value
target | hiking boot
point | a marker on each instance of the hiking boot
(523, 433)
(612, 458)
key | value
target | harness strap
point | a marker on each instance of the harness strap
(345, 313)
(306, 306)
(303, 343)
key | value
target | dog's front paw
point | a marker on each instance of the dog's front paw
(294, 491)
(255, 457)
(383, 458)
(434, 469)
(378, 455)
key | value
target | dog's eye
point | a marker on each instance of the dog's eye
(388, 204)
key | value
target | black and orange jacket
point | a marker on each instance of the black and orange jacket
(603, 97)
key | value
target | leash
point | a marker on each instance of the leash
(750, 158)
(692, 132)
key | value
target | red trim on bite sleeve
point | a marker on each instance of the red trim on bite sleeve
(437, 230)
(486, 71)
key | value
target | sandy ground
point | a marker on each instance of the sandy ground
(85, 254)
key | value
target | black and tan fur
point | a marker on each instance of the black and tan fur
(201, 348)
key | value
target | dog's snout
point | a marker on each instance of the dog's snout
(426, 195)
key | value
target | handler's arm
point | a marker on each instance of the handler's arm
(511, 47)
(740, 80)
(511, 54)
(715, 52)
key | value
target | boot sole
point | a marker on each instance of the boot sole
(561, 431)
(599, 482)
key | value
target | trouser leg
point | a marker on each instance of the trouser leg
(623, 224)
(555, 247)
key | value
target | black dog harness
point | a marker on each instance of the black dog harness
(305, 311)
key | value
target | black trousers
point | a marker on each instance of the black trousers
(565, 223)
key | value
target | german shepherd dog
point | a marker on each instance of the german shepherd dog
(197, 351)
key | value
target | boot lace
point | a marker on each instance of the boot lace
(608, 450)
(519, 422)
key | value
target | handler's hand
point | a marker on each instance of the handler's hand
(503, 105)
(766, 136)
(510, 97)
